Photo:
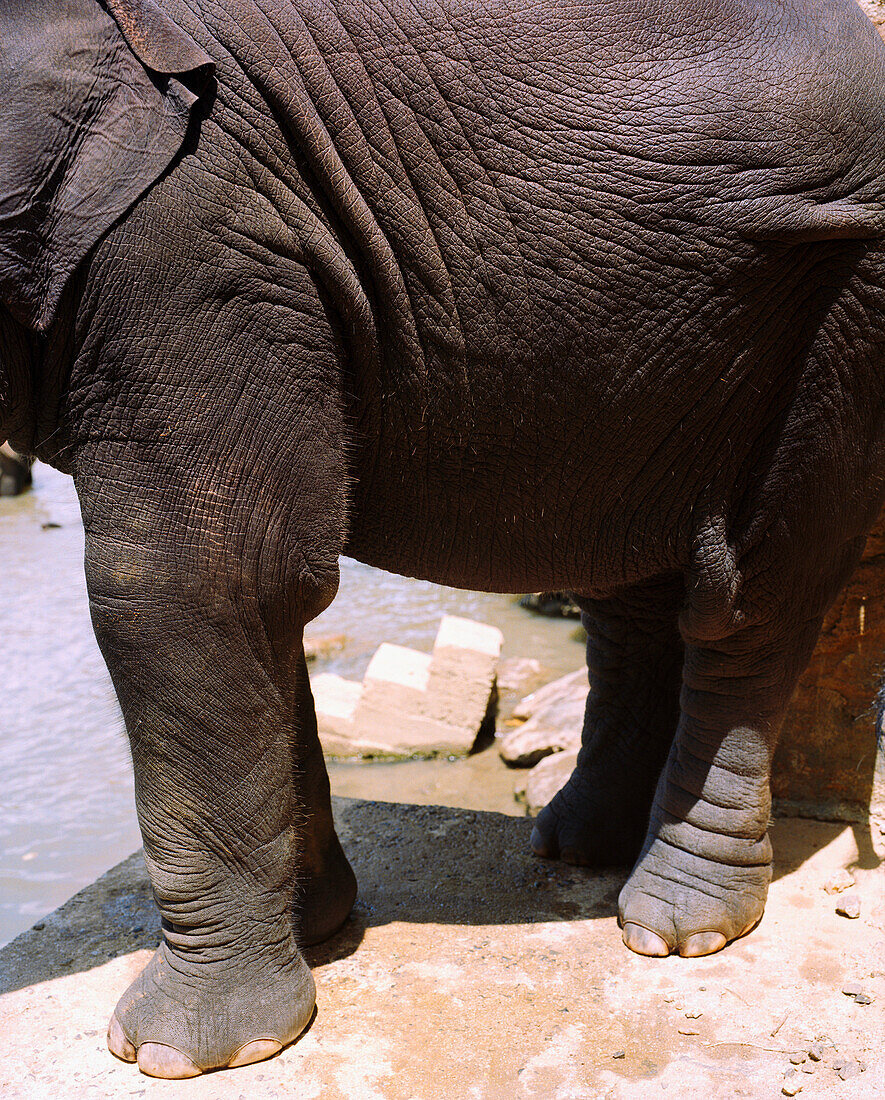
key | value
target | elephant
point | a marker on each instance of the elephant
(512, 297)
(15, 472)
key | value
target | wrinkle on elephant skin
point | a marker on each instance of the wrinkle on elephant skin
(518, 298)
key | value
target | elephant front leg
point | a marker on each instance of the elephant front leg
(203, 643)
(634, 658)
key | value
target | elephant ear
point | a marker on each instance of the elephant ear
(92, 112)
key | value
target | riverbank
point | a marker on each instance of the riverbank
(471, 969)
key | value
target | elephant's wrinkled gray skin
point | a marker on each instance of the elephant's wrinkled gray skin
(515, 297)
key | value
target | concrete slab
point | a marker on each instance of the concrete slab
(472, 970)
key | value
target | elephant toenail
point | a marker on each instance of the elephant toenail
(540, 845)
(643, 941)
(118, 1044)
(702, 943)
(749, 928)
(160, 1060)
(256, 1051)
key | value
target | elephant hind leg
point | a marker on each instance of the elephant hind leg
(634, 659)
(702, 877)
(202, 573)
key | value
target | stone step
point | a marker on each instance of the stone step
(413, 704)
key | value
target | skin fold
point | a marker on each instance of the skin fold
(516, 297)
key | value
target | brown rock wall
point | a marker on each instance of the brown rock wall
(827, 761)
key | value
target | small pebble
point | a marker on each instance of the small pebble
(619, 1054)
(852, 989)
(816, 1052)
(850, 1069)
(863, 999)
(693, 1014)
(807, 1068)
(841, 880)
(790, 1088)
(798, 1057)
(39, 926)
(849, 907)
(688, 1031)
(839, 1064)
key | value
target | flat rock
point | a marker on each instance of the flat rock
(517, 676)
(545, 779)
(520, 674)
(526, 746)
(574, 685)
(471, 969)
(554, 726)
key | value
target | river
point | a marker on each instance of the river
(66, 809)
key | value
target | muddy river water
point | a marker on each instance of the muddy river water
(66, 803)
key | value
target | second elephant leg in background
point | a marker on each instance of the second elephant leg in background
(634, 659)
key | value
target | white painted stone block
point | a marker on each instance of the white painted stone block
(396, 678)
(462, 672)
(410, 703)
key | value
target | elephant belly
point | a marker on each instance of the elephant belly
(523, 492)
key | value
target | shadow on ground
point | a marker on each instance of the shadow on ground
(415, 864)
(420, 864)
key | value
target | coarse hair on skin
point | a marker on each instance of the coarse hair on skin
(880, 713)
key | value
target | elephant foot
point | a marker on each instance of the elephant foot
(180, 1018)
(592, 822)
(326, 892)
(678, 902)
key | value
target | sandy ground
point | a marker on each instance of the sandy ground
(875, 9)
(470, 969)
